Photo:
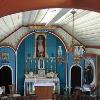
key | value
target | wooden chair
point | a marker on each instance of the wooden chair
(12, 89)
(3, 88)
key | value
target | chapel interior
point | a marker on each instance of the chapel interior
(50, 50)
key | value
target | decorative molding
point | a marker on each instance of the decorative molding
(96, 47)
(36, 28)
(8, 47)
(42, 27)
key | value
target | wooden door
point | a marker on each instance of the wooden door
(75, 77)
(5, 78)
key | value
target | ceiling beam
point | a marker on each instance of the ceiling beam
(96, 47)
(87, 46)
(90, 55)
(14, 6)
(9, 34)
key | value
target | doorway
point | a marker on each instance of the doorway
(5, 78)
(75, 77)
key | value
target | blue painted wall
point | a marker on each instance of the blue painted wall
(61, 68)
(29, 51)
(71, 63)
(52, 47)
(21, 67)
(27, 48)
(11, 61)
(81, 64)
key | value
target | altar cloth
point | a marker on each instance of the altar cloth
(30, 83)
(45, 84)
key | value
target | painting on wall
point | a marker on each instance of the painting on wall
(40, 45)
(5, 57)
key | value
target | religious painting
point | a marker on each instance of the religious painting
(40, 45)
(5, 57)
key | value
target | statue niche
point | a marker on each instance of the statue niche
(40, 52)
(40, 46)
(89, 74)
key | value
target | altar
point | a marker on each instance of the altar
(31, 83)
(43, 74)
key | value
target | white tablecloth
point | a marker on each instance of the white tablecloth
(30, 83)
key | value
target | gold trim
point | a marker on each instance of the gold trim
(36, 35)
(42, 27)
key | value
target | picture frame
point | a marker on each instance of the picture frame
(5, 57)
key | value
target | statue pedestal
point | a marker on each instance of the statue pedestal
(41, 73)
(41, 68)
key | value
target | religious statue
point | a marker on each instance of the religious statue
(40, 46)
(88, 73)
(41, 63)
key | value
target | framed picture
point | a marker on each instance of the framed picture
(5, 57)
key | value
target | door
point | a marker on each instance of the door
(5, 78)
(75, 77)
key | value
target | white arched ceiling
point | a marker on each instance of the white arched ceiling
(87, 24)
(14, 39)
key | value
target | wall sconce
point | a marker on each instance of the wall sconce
(60, 58)
(78, 53)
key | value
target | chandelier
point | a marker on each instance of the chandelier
(77, 50)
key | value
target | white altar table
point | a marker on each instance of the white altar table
(30, 83)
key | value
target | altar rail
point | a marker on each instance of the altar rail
(73, 97)
(30, 97)
(55, 97)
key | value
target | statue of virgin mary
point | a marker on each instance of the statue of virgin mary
(40, 46)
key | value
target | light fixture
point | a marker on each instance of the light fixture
(60, 58)
(77, 50)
